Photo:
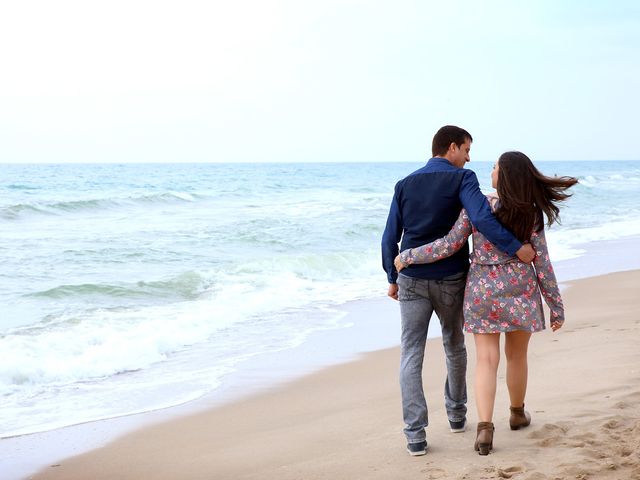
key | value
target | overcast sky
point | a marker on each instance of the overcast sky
(326, 80)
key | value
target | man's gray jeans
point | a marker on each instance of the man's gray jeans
(418, 299)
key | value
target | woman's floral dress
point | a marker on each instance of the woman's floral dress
(502, 293)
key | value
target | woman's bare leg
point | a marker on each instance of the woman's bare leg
(515, 349)
(487, 360)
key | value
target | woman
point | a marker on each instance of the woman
(503, 294)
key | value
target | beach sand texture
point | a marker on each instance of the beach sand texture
(344, 422)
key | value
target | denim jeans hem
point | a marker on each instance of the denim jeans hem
(422, 438)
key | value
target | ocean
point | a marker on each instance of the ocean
(130, 287)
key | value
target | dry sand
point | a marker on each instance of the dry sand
(344, 422)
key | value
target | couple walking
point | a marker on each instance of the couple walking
(434, 210)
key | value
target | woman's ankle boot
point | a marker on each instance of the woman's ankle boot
(484, 438)
(520, 418)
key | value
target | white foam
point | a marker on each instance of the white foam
(568, 238)
(183, 196)
(589, 181)
(248, 310)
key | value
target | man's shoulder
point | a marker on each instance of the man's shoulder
(412, 176)
(467, 172)
(437, 168)
(433, 180)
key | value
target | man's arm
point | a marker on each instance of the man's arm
(485, 221)
(391, 237)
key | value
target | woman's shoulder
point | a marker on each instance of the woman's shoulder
(493, 199)
(491, 195)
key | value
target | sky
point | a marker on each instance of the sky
(316, 81)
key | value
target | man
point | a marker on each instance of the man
(425, 206)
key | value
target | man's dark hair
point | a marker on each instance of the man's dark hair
(446, 136)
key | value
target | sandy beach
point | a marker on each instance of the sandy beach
(345, 421)
(201, 202)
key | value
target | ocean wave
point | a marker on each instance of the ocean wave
(609, 181)
(17, 211)
(187, 286)
(168, 197)
(13, 212)
(122, 362)
(18, 186)
(103, 343)
(83, 345)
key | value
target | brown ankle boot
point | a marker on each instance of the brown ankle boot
(520, 418)
(484, 438)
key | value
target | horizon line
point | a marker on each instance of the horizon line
(283, 162)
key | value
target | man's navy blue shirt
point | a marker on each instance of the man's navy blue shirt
(425, 205)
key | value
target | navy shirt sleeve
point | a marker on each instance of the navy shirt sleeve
(391, 237)
(482, 217)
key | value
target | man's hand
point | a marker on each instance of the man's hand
(526, 253)
(393, 291)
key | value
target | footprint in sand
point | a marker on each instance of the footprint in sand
(551, 435)
(509, 471)
(614, 423)
(582, 440)
(621, 405)
(549, 429)
(536, 476)
(435, 473)
(626, 451)
(596, 454)
(579, 472)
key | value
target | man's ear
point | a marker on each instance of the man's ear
(452, 147)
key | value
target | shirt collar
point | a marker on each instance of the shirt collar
(440, 161)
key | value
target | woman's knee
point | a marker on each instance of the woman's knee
(488, 349)
(515, 354)
(488, 361)
(516, 346)
(488, 357)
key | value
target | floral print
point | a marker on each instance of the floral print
(502, 293)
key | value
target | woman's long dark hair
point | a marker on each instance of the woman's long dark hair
(525, 194)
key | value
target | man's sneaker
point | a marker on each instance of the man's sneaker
(458, 427)
(416, 449)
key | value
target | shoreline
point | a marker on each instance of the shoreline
(344, 421)
(374, 320)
